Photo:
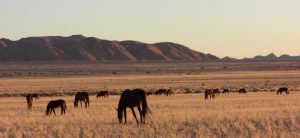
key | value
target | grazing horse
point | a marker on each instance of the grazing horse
(55, 104)
(149, 93)
(102, 94)
(209, 93)
(283, 89)
(167, 92)
(29, 99)
(36, 96)
(242, 90)
(225, 91)
(82, 96)
(170, 92)
(216, 91)
(131, 99)
(161, 91)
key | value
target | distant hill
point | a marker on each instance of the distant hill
(229, 59)
(78, 47)
(270, 57)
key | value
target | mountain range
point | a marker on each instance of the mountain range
(81, 48)
(269, 57)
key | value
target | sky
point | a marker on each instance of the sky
(235, 28)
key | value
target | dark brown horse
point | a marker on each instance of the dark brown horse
(242, 90)
(283, 89)
(170, 92)
(29, 99)
(167, 92)
(149, 93)
(225, 91)
(133, 98)
(161, 92)
(55, 104)
(82, 96)
(209, 93)
(216, 91)
(103, 94)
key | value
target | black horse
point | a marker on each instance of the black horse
(102, 94)
(242, 90)
(149, 93)
(167, 92)
(283, 89)
(82, 96)
(55, 104)
(225, 91)
(133, 98)
(161, 92)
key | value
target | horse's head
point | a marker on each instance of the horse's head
(120, 115)
(75, 103)
(47, 112)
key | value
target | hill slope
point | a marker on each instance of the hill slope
(77, 47)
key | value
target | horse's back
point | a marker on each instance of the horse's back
(283, 89)
(81, 95)
(56, 103)
(132, 97)
(100, 93)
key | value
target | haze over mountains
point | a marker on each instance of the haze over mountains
(78, 47)
(81, 48)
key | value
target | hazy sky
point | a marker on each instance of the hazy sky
(237, 28)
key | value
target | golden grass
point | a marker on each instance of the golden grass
(184, 115)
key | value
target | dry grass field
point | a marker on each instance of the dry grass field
(184, 115)
(251, 80)
(259, 113)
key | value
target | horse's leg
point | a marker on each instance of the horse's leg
(65, 110)
(28, 104)
(54, 111)
(62, 110)
(132, 110)
(50, 112)
(81, 103)
(87, 103)
(125, 116)
(142, 115)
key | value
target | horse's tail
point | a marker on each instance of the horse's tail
(145, 107)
